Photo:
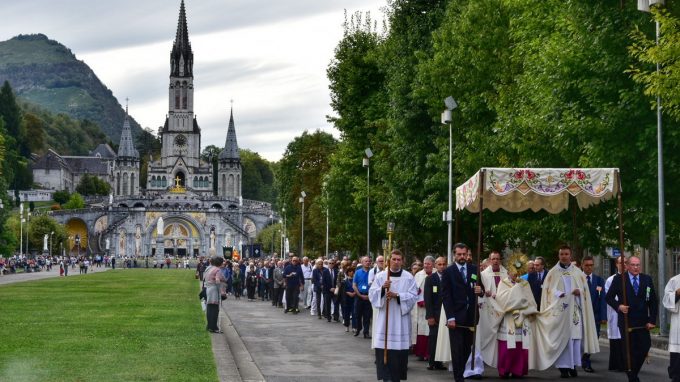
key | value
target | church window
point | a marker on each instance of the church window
(184, 95)
(132, 183)
(196, 184)
(177, 95)
(230, 187)
(125, 184)
(118, 184)
(164, 182)
(237, 187)
(224, 185)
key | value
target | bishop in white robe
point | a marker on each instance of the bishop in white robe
(671, 301)
(400, 293)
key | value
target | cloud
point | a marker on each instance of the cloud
(269, 56)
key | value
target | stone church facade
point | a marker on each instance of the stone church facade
(175, 212)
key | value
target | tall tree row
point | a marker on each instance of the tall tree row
(539, 84)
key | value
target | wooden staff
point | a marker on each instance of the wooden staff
(387, 299)
(623, 277)
(479, 258)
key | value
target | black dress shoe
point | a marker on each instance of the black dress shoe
(431, 367)
(475, 376)
(588, 369)
(356, 334)
(572, 372)
(366, 335)
(564, 373)
(439, 366)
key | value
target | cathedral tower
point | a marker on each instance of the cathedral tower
(181, 136)
(126, 168)
(229, 172)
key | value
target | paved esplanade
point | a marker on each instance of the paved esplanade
(32, 276)
(287, 347)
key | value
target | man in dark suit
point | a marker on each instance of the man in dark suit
(460, 289)
(433, 306)
(641, 308)
(326, 286)
(597, 294)
(536, 278)
(335, 300)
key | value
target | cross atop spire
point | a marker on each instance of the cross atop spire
(230, 151)
(126, 106)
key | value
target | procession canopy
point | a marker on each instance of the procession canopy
(520, 189)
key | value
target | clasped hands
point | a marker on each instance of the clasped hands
(388, 292)
(575, 292)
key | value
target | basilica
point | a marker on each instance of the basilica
(176, 212)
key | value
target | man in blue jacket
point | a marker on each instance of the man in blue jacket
(597, 296)
(294, 284)
(641, 308)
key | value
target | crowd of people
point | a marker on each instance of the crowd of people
(514, 318)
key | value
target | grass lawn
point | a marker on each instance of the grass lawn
(123, 325)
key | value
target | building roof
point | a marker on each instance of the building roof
(104, 151)
(87, 165)
(126, 149)
(50, 161)
(230, 150)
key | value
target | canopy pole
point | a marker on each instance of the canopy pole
(623, 279)
(457, 235)
(479, 261)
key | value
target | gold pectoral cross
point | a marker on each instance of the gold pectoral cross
(177, 180)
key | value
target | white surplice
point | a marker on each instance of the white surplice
(418, 320)
(399, 324)
(613, 332)
(673, 307)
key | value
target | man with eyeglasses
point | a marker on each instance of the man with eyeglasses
(596, 289)
(641, 310)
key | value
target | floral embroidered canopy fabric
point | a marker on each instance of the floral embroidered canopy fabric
(520, 189)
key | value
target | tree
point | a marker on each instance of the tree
(302, 168)
(211, 154)
(61, 197)
(75, 202)
(42, 225)
(270, 237)
(258, 177)
(91, 185)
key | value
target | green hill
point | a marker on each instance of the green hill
(44, 72)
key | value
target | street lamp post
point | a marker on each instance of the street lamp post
(271, 218)
(448, 215)
(28, 220)
(21, 229)
(51, 233)
(303, 195)
(661, 260)
(366, 163)
(78, 246)
(283, 235)
(325, 188)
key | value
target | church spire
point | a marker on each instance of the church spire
(126, 148)
(230, 151)
(182, 57)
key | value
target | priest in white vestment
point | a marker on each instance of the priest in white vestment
(400, 293)
(566, 325)
(490, 313)
(420, 329)
(671, 301)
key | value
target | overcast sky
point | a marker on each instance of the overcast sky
(269, 56)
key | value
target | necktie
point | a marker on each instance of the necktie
(590, 285)
(540, 276)
(636, 285)
(462, 272)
